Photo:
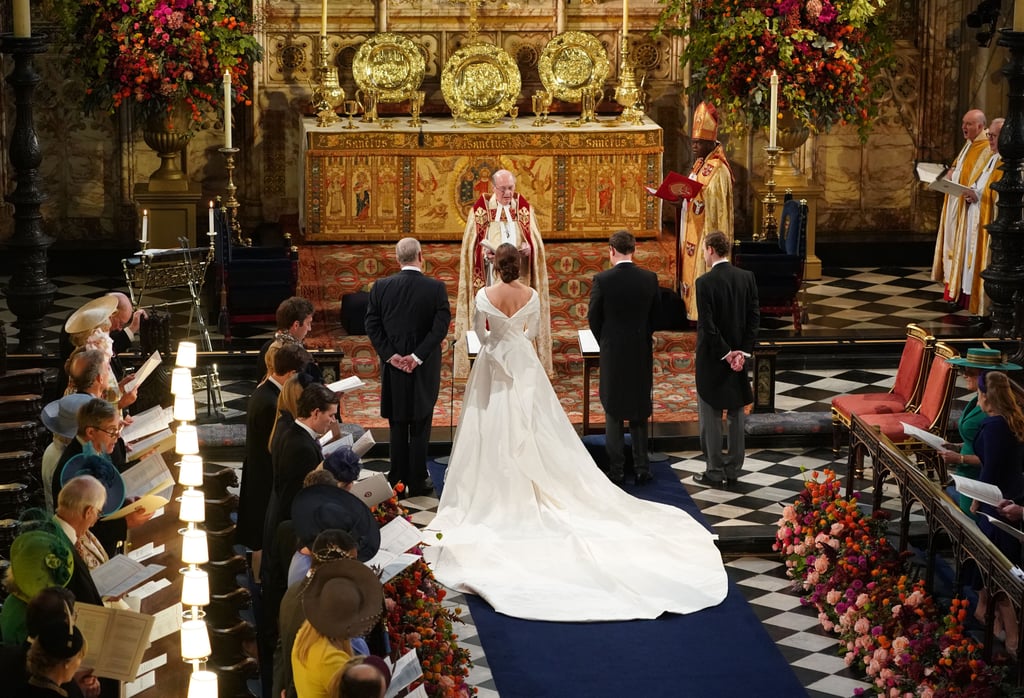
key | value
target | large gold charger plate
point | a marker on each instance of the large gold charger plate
(390, 64)
(572, 63)
(480, 83)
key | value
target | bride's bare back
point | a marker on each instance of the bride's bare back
(509, 298)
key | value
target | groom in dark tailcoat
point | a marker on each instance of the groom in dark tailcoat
(727, 321)
(407, 319)
(623, 305)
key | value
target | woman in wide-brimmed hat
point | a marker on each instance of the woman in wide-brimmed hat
(962, 456)
(342, 600)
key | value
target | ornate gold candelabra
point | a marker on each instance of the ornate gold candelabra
(769, 226)
(231, 202)
(327, 92)
(626, 92)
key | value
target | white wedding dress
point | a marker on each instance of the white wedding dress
(529, 522)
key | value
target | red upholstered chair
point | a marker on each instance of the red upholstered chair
(905, 393)
(932, 414)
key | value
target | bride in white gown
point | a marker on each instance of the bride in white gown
(526, 518)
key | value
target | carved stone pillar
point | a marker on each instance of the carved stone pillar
(1004, 276)
(30, 293)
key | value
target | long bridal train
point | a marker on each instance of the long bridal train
(528, 521)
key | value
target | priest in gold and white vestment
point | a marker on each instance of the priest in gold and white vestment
(710, 209)
(504, 216)
(966, 169)
(980, 206)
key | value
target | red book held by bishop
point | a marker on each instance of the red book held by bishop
(675, 187)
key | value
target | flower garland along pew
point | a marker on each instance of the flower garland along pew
(887, 624)
(416, 619)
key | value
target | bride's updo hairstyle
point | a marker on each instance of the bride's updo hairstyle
(506, 262)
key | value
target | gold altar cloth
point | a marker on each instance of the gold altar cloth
(375, 183)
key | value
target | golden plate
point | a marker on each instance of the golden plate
(389, 63)
(480, 83)
(571, 63)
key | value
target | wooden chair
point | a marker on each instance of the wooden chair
(931, 415)
(779, 267)
(904, 395)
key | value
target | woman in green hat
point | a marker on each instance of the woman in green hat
(962, 456)
(40, 558)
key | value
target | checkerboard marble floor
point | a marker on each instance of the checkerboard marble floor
(844, 299)
(877, 300)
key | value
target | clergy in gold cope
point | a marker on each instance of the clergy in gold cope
(711, 208)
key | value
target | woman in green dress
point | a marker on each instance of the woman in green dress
(961, 456)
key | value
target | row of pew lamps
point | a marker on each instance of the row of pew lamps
(195, 590)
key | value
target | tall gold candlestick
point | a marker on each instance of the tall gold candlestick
(769, 225)
(231, 202)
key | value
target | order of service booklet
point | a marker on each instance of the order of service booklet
(675, 187)
(117, 639)
(933, 175)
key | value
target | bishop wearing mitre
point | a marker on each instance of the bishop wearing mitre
(504, 216)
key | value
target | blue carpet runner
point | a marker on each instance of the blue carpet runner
(720, 652)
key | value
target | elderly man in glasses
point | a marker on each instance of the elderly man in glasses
(99, 431)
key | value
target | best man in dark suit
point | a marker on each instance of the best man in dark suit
(727, 321)
(624, 301)
(407, 319)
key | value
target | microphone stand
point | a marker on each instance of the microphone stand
(444, 460)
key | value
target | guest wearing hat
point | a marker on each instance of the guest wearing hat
(962, 456)
(343, 464)
(332, 544)
(46, 608)
(54, 658)
(343, 599)
(320, 507)
(40, 558)
(88, 328)
(121, 324)
(711, 209)
(61, 418)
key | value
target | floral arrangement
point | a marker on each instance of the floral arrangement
(828, 55)
(416, 619)
(157, 54)
(888, 625)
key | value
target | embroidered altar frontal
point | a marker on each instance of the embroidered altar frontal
(386, 180)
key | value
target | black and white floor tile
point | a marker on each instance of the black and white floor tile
(880, 299)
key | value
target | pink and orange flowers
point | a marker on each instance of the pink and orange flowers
(887, 623)
(828, 55)
(156, 54)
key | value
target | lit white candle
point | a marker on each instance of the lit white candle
(625, 16)
(1018, 16)
(211, 233)
(145, 226)
(227, 108)
(773, 125)
(323, 18)
(22, 19)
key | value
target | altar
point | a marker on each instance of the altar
(385, 180)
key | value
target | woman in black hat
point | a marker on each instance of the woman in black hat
(54, 658)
